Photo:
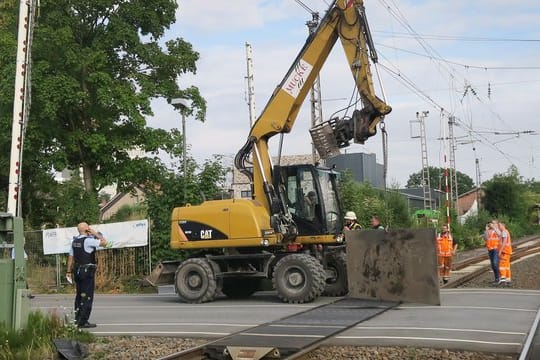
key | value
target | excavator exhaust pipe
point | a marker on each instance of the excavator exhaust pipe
(398, 265)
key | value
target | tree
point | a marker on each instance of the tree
(170, 194)
(437, 180)
(366, 201)
(505, 196)
(96, 67)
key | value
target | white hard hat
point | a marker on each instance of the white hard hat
(350, 215)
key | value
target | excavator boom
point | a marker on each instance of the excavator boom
(291, 230)
(346, 21)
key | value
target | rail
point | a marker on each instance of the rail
(521, 249)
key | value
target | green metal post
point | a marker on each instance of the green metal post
(14, 297)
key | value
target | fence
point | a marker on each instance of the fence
(116, 267)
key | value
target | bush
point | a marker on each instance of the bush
(35, 340)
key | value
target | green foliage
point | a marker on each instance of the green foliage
(211, 179)
(35, 340)
(437, 180)
(96, 68)
(397, 204)
(366, 201)
(74, 204)
(470, 234)
(130, 212)
(174, 191)
(505, 196)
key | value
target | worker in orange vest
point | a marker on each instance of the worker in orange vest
(493, 242)
(446, 248)
(504, 255)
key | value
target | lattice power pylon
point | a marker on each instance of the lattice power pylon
(426, 186)
(452, 159)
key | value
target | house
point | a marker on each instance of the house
(415, 198)
(136, 195)
(469, 203)
(363, 167)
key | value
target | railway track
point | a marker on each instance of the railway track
(476, 264)
(291, 337)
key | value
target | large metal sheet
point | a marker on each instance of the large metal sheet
(398, 265)
(299, 331)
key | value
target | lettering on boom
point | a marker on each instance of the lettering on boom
(296, 79)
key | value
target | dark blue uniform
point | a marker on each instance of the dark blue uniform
(84, 276)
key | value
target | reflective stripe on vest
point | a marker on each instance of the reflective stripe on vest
(444, 245)
(507, 249)
(492, 241)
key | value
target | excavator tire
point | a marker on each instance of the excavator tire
(337, 284)
(298, 278)
(195, 281)
(239, 288)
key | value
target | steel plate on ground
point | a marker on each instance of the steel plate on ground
(291, 334)
(398, 265)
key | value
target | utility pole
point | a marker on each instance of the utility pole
(250, 87)
(183, 105)
(453, 175)
(426, 186)
(478, 179)
(446, 178)
(315, 93)
(14, 296)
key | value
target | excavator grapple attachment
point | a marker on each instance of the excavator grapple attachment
(398, 265)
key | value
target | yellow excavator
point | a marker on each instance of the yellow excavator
(290, 231)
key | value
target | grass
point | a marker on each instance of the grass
(35, 340)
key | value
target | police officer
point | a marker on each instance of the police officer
(82, 259)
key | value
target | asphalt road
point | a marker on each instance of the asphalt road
(491, 320)
(166, 315)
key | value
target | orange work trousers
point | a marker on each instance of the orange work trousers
(445, 265)
(504, 266)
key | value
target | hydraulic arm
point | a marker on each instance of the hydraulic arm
(345, 20)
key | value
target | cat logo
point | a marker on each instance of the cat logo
(206, 234)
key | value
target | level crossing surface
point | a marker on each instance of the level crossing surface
(491, 320)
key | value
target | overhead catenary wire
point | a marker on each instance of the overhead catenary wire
(443, 65)
(465, 66)
(459, 81)
(456, 37)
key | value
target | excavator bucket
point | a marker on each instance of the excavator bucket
(163, 273)
(398, 265)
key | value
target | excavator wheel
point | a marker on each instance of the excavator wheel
(195, 281)
(298, 278)
(336, 284)
(239, 288)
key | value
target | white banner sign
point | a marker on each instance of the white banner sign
(121, 235)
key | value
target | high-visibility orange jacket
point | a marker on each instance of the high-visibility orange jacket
(445, 245)
(492, 239)
(506, 242)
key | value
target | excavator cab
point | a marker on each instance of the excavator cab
(310, 193)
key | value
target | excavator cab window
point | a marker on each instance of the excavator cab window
(311, 198)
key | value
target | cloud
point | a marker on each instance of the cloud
(505, 99)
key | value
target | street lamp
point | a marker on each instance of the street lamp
(183, 105)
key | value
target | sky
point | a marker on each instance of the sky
(476, 61)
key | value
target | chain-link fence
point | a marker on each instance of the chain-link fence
(117, 268)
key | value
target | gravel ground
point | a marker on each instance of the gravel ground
(525, 275)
